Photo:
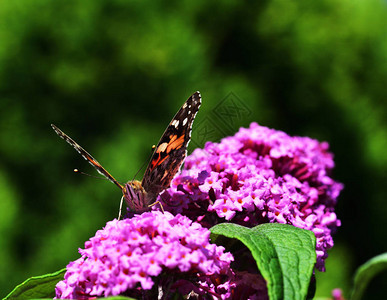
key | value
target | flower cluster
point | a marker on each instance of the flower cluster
(144, 256)
(260, 175)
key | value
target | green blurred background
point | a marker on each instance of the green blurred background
(112, 74)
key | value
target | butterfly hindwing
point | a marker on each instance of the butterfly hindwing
(172, 148)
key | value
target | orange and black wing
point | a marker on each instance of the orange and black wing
(171, 149)
(86, 155)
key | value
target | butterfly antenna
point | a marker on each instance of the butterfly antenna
(83, 173)
(143, 165)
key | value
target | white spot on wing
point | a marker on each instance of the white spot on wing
(162, 147)
(185, 121)
(175, 123)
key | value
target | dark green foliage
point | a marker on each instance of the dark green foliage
(37, 287)
(366, 272)
(113, 73)
(285, 255)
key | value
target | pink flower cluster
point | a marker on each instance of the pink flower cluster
(140, 256)
(260, 175)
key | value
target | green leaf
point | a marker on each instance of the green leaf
(366, 272)
(285, 255)
(37, 287)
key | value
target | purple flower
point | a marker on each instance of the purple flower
(337, 294)
(260, 175)
(144, 255)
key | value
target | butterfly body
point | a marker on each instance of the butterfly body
(166, 160)
(136, 198)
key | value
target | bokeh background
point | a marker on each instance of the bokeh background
(113, 73)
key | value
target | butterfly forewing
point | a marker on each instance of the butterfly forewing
(86, 155)
(172, 148)
(164, 164)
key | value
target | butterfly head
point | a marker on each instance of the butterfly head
(136, 196)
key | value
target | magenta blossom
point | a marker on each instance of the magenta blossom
(260, 175)
(337, 294)
(147, 256)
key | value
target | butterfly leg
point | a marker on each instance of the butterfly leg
(159, 203)
(119, 212)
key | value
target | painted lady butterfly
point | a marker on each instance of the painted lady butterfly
(166, 160)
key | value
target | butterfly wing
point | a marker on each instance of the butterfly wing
(86, 155)
(171, 149)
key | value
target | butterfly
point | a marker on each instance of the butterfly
(165, 162)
